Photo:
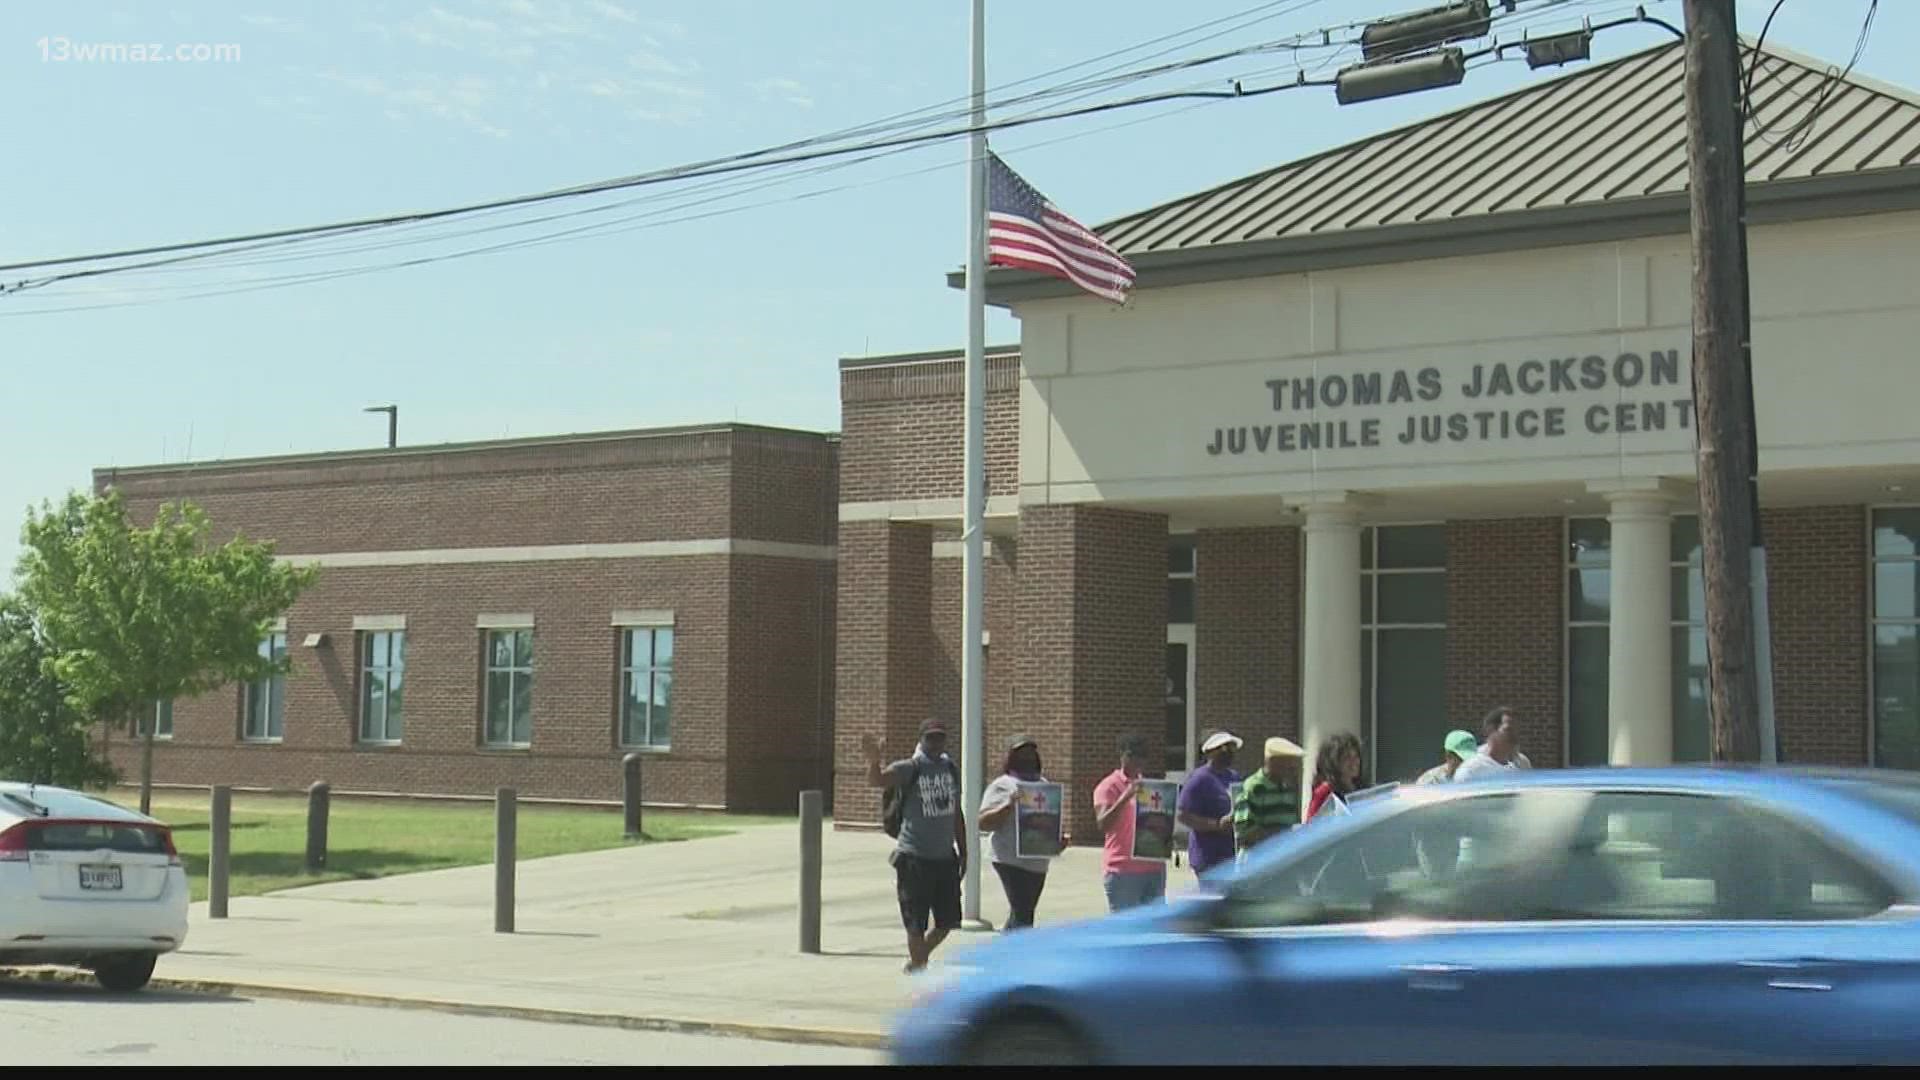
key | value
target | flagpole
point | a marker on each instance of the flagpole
(973, 572)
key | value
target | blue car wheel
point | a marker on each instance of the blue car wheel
(1027, 1040)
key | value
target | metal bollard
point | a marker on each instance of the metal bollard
(220, 829)
(319, 801)
(505, 830)
(812, 810)
(630, 793)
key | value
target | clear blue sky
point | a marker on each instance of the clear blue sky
(349, 108)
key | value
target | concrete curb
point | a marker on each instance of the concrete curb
(852, 1040)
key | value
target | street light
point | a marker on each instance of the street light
(1424, 29)
(393, 422)
(1560, 49)
(1366, 82)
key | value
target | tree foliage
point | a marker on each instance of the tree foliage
(141, 615)
(43, 738)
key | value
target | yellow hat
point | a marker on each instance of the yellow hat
(1279, 747)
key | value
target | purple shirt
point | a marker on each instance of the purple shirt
(1206, 794)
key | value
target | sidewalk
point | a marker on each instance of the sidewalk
(701, 935)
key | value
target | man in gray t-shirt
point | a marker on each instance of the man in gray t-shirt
(931, 856)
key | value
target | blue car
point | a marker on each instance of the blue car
(1688, 915)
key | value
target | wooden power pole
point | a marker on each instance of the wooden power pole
(1728, 454)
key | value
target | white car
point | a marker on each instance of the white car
(88, 884)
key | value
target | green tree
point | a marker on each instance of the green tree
(43, 739)
(135, 616)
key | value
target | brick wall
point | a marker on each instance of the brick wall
(1091, 611)
(1505, 611)
(751, 720)
(1817, 597)
(944, 674)
(567, 491)
(784, 487)
(903, 429)
(574, 751)
(883, 662)
(779, 697)
(1247, 632)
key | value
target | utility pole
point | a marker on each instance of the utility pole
(973, 573)
(1728, 446)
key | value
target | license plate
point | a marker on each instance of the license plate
(100, 878)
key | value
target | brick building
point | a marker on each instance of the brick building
(525, 613)
(1384, 437)
(1403, 430)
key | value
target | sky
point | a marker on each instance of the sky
(282, 113)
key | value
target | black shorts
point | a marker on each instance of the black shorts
(927, 887)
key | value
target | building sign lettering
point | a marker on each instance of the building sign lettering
(1498, 400)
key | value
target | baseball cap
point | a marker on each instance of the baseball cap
(934, 726)
(1279, 747)
(1462, 743)
(1019, 741)
(1219, 739)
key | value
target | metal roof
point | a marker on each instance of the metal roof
(1607, 134)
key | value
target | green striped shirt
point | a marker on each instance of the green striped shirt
(1263, 804)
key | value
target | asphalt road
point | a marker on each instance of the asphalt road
(79, 1025)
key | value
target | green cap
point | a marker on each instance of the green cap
(1462, 743)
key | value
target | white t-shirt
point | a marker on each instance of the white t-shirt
(1479, 765)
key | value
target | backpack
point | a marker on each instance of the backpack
(893, 801)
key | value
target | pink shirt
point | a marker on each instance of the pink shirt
(1119, 843)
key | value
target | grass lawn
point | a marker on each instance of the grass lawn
(373, 838)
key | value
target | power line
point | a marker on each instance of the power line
(772, 154)
(766, 157)
(315, 277)
(885, 147)
(1815, 101)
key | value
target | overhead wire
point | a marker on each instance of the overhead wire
(694, 168)
(1813, 102)
(891, 146)
(766, 156)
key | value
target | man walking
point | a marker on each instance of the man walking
(1499, 750)
(1269, 800)
(931, 856)
(1459, 748)
(1206, 804)
(1129, 882)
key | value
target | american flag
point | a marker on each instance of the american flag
(1027, 232)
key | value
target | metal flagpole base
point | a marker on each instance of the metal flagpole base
(975, 926)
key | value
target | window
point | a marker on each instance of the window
(1403, 647)
(1182, 562)
(1180, 579)
(1646, 856)
(646, 679)
(266, 706)
(1896, 638)
(1589, 615)
(509, 691)
(161, 719)
(383, 677)
(1475, 858)
(1568, 855)
(1589, 579)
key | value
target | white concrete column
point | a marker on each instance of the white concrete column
(1640, 639)
(1330, 626)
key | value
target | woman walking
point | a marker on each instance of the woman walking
(1023, 879)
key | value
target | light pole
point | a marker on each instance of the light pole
(393, 422)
